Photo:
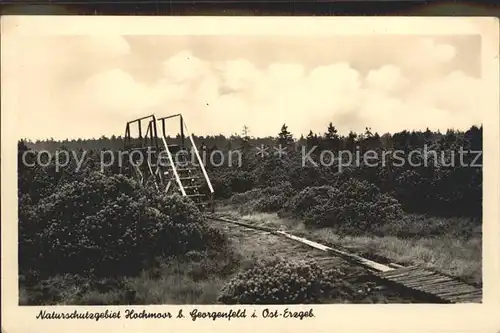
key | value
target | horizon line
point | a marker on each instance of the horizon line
(228, 136)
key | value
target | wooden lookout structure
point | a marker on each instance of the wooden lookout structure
(169, 167)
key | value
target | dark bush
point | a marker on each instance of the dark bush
(300, 204)
(305, 176)
(352, 207)
(282, 282)
(266, 199)
(273, 171)
(241, 181)
(228, 182)
(108, 225)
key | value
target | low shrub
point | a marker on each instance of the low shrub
(242, 198)
(267, 199)
(352, 207)
(282, 282)
(273, 170)
(229, 182)
(221, 186)
(302, 203)
(107, 226)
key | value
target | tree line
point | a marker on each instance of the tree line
(438, 187)
(404, 140)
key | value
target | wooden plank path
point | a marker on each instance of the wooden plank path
(428, 281)
(421, 280)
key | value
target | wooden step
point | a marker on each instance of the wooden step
(196, 195)
(191, 178)
(191, 187)
(186, 169)
(183, 167)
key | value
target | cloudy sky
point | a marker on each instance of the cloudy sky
(90, 85)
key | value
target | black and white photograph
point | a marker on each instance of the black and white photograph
(249, 169)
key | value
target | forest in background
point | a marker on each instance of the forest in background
(400, 140)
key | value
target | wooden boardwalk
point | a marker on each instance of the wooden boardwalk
(424, 280)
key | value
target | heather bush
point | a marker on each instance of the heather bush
(273, 171)
(271, 203)
(221, 186)
(267, 199)
(242, 198)
(300, 204)
(283, 282)
(228, 182)
(304, 176)
(106, 225)
(352, 207)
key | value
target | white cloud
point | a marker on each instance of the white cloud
(387, 79)
(221, 96)
(116, 91)
(438, 53)
(238, 75)
(183, 67)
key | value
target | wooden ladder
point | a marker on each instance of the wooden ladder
(168, 166)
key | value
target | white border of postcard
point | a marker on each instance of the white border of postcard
(328, 318)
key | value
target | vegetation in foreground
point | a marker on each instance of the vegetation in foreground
(443, 249)
(427, 213)
(91, 237)
(103, 239)
(281, 282)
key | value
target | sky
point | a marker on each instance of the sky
(90, 85)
